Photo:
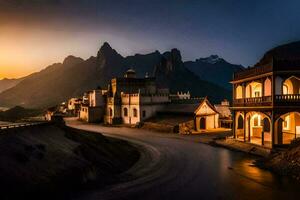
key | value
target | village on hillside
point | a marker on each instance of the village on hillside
(138, 102)
(263, 112)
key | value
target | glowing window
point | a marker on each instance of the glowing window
(286, 122)
(285, 89)
(256, 120)
(239, 92)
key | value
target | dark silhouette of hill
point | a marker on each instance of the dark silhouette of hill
(18, 113)
(171, 72)
(290, 51)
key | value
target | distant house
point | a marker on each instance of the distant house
(206, 116)
(225, 115)
(50, 113)
(93, 107)
(74, 105)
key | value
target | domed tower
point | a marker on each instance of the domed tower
(130, 73)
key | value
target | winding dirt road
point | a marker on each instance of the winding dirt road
(176, 167)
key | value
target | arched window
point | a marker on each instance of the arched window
(240, 122)
(110, 112)
(254, 89)
(134, 112)
(125, 110)
(239, 92)
(285, 89)
(257, 90)
(268, 87)
(248, 91)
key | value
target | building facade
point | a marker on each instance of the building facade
(225, 115)
(73, 106)
(93, 108)
(266, 103)
(131, 100)
(206, 116)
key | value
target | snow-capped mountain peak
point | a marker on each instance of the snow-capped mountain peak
(213, 59)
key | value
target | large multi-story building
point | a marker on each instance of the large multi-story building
(131, 100)
(266, 103)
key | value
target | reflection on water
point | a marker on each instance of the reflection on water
(239, 171)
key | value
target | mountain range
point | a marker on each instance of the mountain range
(60, 81)
(8, 83)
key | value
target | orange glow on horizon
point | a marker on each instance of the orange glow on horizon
(14, 72)
(25, 50)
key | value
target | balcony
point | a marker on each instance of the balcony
(255, 101)
(279, 100)
(288, 100)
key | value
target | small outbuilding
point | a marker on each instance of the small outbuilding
(206, 117)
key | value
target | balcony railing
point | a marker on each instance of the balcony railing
(288, 98)
(279, 100)
(255, 101)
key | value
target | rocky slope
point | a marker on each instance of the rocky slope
(8, 83)
(214, 69)
(286, 162)
(171, 72)
(74, 76)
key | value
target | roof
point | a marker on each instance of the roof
(205, 100)
(130, 71)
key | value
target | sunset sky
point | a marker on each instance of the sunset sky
(37, 33)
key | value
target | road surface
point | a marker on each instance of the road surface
(176, 167)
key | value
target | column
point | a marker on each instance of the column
(272, 128)
(245, 122)
(249, 128)
(262, 87)
(234, 124)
